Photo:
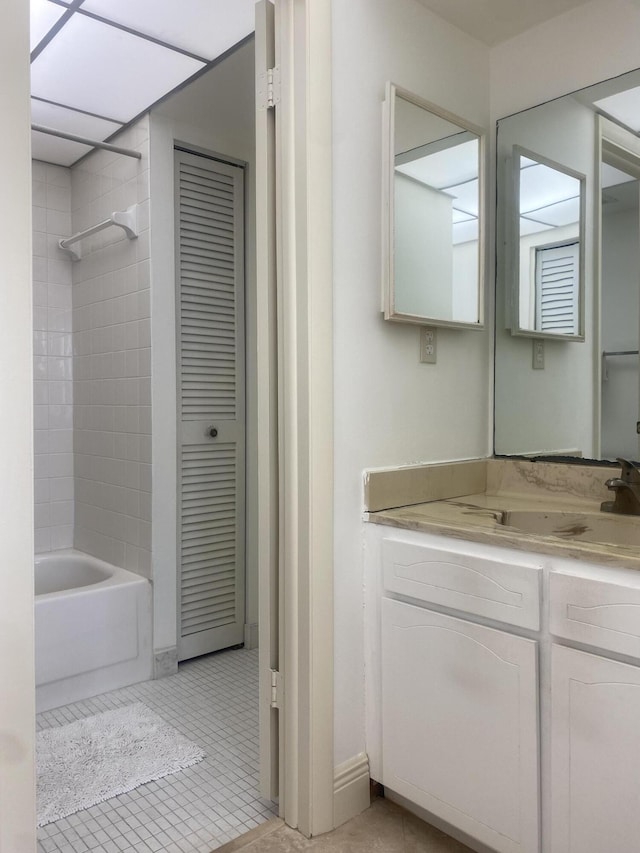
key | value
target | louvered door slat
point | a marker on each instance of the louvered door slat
(211, 375)
(557, 278)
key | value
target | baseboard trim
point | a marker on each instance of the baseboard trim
(251, 635)
(165, 662)
(350, 788)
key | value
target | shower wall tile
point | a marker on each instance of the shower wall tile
(53, 366)
(112, 359)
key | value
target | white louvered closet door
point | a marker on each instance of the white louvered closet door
(210, 344)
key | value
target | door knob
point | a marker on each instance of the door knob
(213, 431)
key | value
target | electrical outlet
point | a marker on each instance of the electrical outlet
(428, 345)
(538, 355)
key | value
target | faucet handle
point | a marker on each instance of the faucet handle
(630, 470)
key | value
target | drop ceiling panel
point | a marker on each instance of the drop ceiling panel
(463, 232)
(43, 16)
(541, 186)
(527, 226)
(445, 168)
(611, 176)
(71, 121)
(465, 196)
(625, 107)
(51, 149)
(562, 213)
(95, 67)
(461, 216)
(204, 27)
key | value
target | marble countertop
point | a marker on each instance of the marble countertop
(478, 517)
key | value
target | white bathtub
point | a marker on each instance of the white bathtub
(93, 628)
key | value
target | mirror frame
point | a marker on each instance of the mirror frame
(388, 277)
(513, 251)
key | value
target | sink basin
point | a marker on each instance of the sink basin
(601, 528)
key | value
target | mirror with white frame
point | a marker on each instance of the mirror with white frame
(548, 267)
(552, 396)
(433, 230)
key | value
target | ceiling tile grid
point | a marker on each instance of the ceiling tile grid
(97, 65)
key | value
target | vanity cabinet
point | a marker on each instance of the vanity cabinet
(482, 715)
(460, 699)
(459, 711)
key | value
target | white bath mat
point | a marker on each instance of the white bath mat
(96, 758)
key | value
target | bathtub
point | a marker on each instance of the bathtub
(92, 628)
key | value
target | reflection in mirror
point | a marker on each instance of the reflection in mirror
(432, 238)
(620, 306)
(549, 266)
(578, 400)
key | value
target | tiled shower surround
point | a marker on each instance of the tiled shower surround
(92, 359)
(112, 359)
(52, 348)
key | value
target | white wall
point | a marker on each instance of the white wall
(422, 249)
(52, 358)
(17, 706)
(389, 408)
(215, 113)
(465, 281)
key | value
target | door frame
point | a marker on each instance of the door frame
(305, 417)
(17, 708)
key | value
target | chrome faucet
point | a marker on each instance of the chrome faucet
(626, 488)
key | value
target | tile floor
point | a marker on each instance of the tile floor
(383, 828)
(213, 701)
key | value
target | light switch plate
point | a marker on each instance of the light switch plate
(428, 345)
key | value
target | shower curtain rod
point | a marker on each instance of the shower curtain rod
(128, 152)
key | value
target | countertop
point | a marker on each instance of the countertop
(477, 518)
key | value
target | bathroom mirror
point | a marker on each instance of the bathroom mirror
(548, 244)
(551, 395)
(433, 223)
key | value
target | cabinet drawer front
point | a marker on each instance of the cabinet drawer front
(501, 591)
(596, 613)
(459, 724)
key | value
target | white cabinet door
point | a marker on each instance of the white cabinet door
(595, 769)
(460, 728)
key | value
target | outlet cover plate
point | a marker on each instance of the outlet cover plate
(538, 355)
(428, 345)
